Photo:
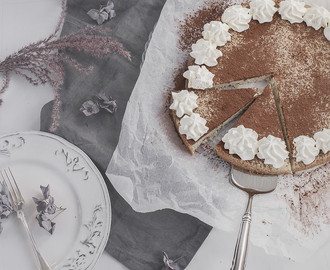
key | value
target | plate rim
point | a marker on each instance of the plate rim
(95, 170)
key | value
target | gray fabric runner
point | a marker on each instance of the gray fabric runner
(136, 239)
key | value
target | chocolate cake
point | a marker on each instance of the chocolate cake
(285, 43)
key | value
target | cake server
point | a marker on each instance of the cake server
(252, 184)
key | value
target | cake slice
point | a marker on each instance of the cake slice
(262, 117)
(217, 107)
(304, 116)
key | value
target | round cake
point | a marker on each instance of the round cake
(285, 43)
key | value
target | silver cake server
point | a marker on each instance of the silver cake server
(252, 184)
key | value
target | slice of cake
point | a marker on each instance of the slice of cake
(305, 117)
(269, 155)
(216, 107)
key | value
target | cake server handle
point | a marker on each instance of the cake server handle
(243, 239)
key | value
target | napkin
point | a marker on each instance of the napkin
(136, 239)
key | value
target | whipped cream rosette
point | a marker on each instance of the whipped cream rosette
(184, 102)
(317, 17)
(198, 77)
(322, 139)
(216, 32)
(306, 150)
(292, 10)
(242, 142)
(237, 17)
(193, 126)
(262, 10)
(205, 52)
(273, 151)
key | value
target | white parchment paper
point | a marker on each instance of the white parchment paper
(152, 169)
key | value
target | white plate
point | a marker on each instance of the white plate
(82, 230)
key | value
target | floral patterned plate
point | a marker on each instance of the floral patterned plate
(82, 230)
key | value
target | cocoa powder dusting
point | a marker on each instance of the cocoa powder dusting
(189, 30)
(307, 196)
(191, 27)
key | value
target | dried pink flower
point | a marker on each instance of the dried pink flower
(46, 208)
(104, 13)
(99, 101)
(106, 102)
(41, 62)
(89, 107)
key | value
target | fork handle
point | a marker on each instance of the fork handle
(243, 239)
(43, 265)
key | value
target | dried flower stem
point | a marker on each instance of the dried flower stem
(41, 62)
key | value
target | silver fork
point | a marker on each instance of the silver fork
(17, 203)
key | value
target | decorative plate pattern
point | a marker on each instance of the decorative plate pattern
(82, 230)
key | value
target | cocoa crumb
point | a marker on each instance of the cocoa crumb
(191, 27)
(307, 198)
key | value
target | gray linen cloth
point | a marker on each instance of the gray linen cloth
(136, 239)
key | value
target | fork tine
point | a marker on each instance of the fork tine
(4, 178)
(11, 198)
(1, 180)
(18, 192)
(12, 193)
(9, 186)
